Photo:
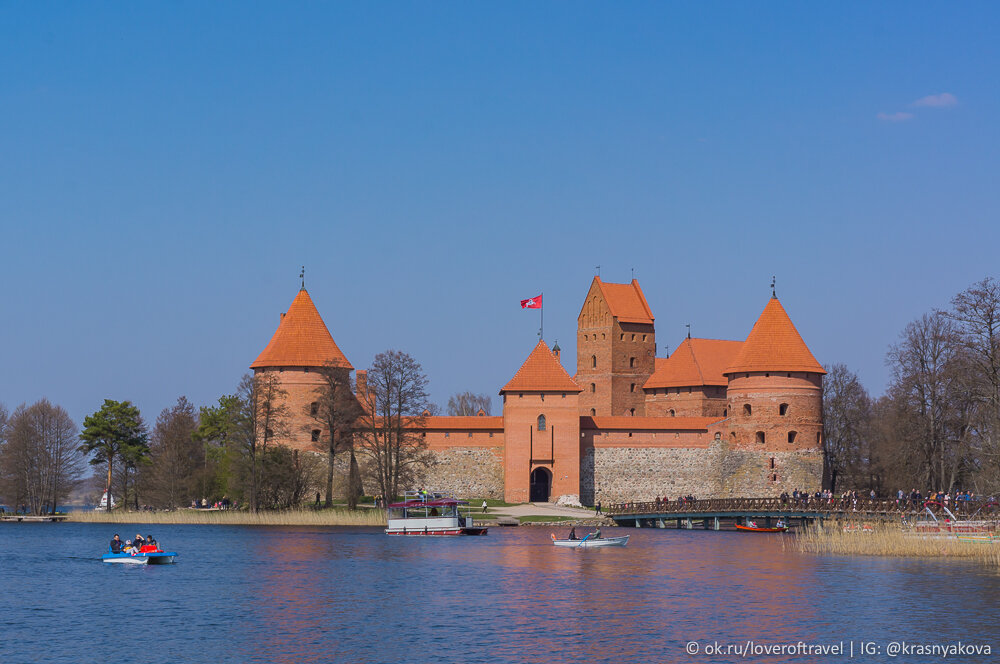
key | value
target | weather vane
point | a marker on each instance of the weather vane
(302, 276)
(773, 294)
(598, 268)
(688, 326)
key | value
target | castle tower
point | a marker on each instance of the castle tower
(775, 408)
(541, 419)
(616, 349)
(691, 383)
(301, 345)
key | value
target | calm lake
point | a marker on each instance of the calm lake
(240, 594)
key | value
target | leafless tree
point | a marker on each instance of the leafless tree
(388, 437)
(336, 410)
(264, 418)
(847, 423)
(976, 312)
(467, 403)
(928, 403)
(39, 462)
(177, 458)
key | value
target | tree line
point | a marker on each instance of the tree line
(937, 427)
(231, 450)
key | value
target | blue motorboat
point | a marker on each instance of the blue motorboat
(142, 558)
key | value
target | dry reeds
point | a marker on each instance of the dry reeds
(891, 541)
(362, 517)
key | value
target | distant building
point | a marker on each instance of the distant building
(716, 418)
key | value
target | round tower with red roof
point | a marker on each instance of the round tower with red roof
(775, 411)
(301, 346)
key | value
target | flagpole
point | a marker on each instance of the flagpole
(541, 319)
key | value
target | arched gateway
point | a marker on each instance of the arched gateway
(541, 485)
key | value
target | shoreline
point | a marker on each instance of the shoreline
(891, 543)
(187, 516)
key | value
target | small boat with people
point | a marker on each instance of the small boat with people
(143, 551)
(752, 527)
(430, 513)
(590, 541)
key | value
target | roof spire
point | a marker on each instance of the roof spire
(598, 268)
(689, 330)
(773, 294)
(302, 276)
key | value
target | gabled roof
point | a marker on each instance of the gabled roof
(695, 362)
(774, 345)
(541, 372)
(625, 301)
(301, 340)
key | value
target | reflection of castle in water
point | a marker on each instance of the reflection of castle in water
(716, 418)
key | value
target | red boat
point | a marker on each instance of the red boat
(754, 528)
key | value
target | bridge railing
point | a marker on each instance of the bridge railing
(966, 509)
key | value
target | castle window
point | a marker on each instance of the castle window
(313, 408)
(585, 337)
(593, 412)
(774, 478)
(447, 433)
(732, 437)
(760, 437)
(315, 435)
(541, 423)
(621, 338)
(631, 362)
(791, 436)
(644, 337)
(491, 434)
(631, 387)
(633, 337)
(543, 397)
(631, 411)
(747, 410)
(725, 412)
(470, 434)
(593, 387)
(819, 438)
(629, 434)
(603, 336)
(783, 409)
(772, 463)
(593, 361)
(672, 413)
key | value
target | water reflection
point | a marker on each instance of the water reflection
(356, 595)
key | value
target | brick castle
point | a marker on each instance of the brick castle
(716, 418)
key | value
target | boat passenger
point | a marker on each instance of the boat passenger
(138, 541)
(128, 548)
(116, 544)
(572, 533)
(150, 541)
(596, 534)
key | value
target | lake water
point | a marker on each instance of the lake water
(241, 594)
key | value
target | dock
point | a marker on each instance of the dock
(32, 518)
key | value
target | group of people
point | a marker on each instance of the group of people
(139, 545)
(594, 535)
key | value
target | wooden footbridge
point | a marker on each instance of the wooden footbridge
(716, 513)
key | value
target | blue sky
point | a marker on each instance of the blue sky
(167, 167)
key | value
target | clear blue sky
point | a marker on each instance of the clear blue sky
(165, 168)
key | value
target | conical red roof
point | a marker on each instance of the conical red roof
(541, 372)
(774, 345)
(301, 340)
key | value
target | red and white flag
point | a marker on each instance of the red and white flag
(532, 303)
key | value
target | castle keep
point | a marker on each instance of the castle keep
(715, 418)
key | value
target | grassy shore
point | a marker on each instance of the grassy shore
(334, 517)
(890, 542)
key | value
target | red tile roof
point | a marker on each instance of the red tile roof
(301, 340)
(774, 345)
(647, 423)
(626, 302)
(695, 362)
(541, 372)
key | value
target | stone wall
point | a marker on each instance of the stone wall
(467, 472)
(615, 474)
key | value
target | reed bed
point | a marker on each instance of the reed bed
(335, 517)
(890, 542)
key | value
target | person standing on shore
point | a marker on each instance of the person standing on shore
(485, 506)
(598, 510)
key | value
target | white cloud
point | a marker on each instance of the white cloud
(943, 100)
(895, 117)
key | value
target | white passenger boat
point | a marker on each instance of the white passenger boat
(589, 543)
(426, 513)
